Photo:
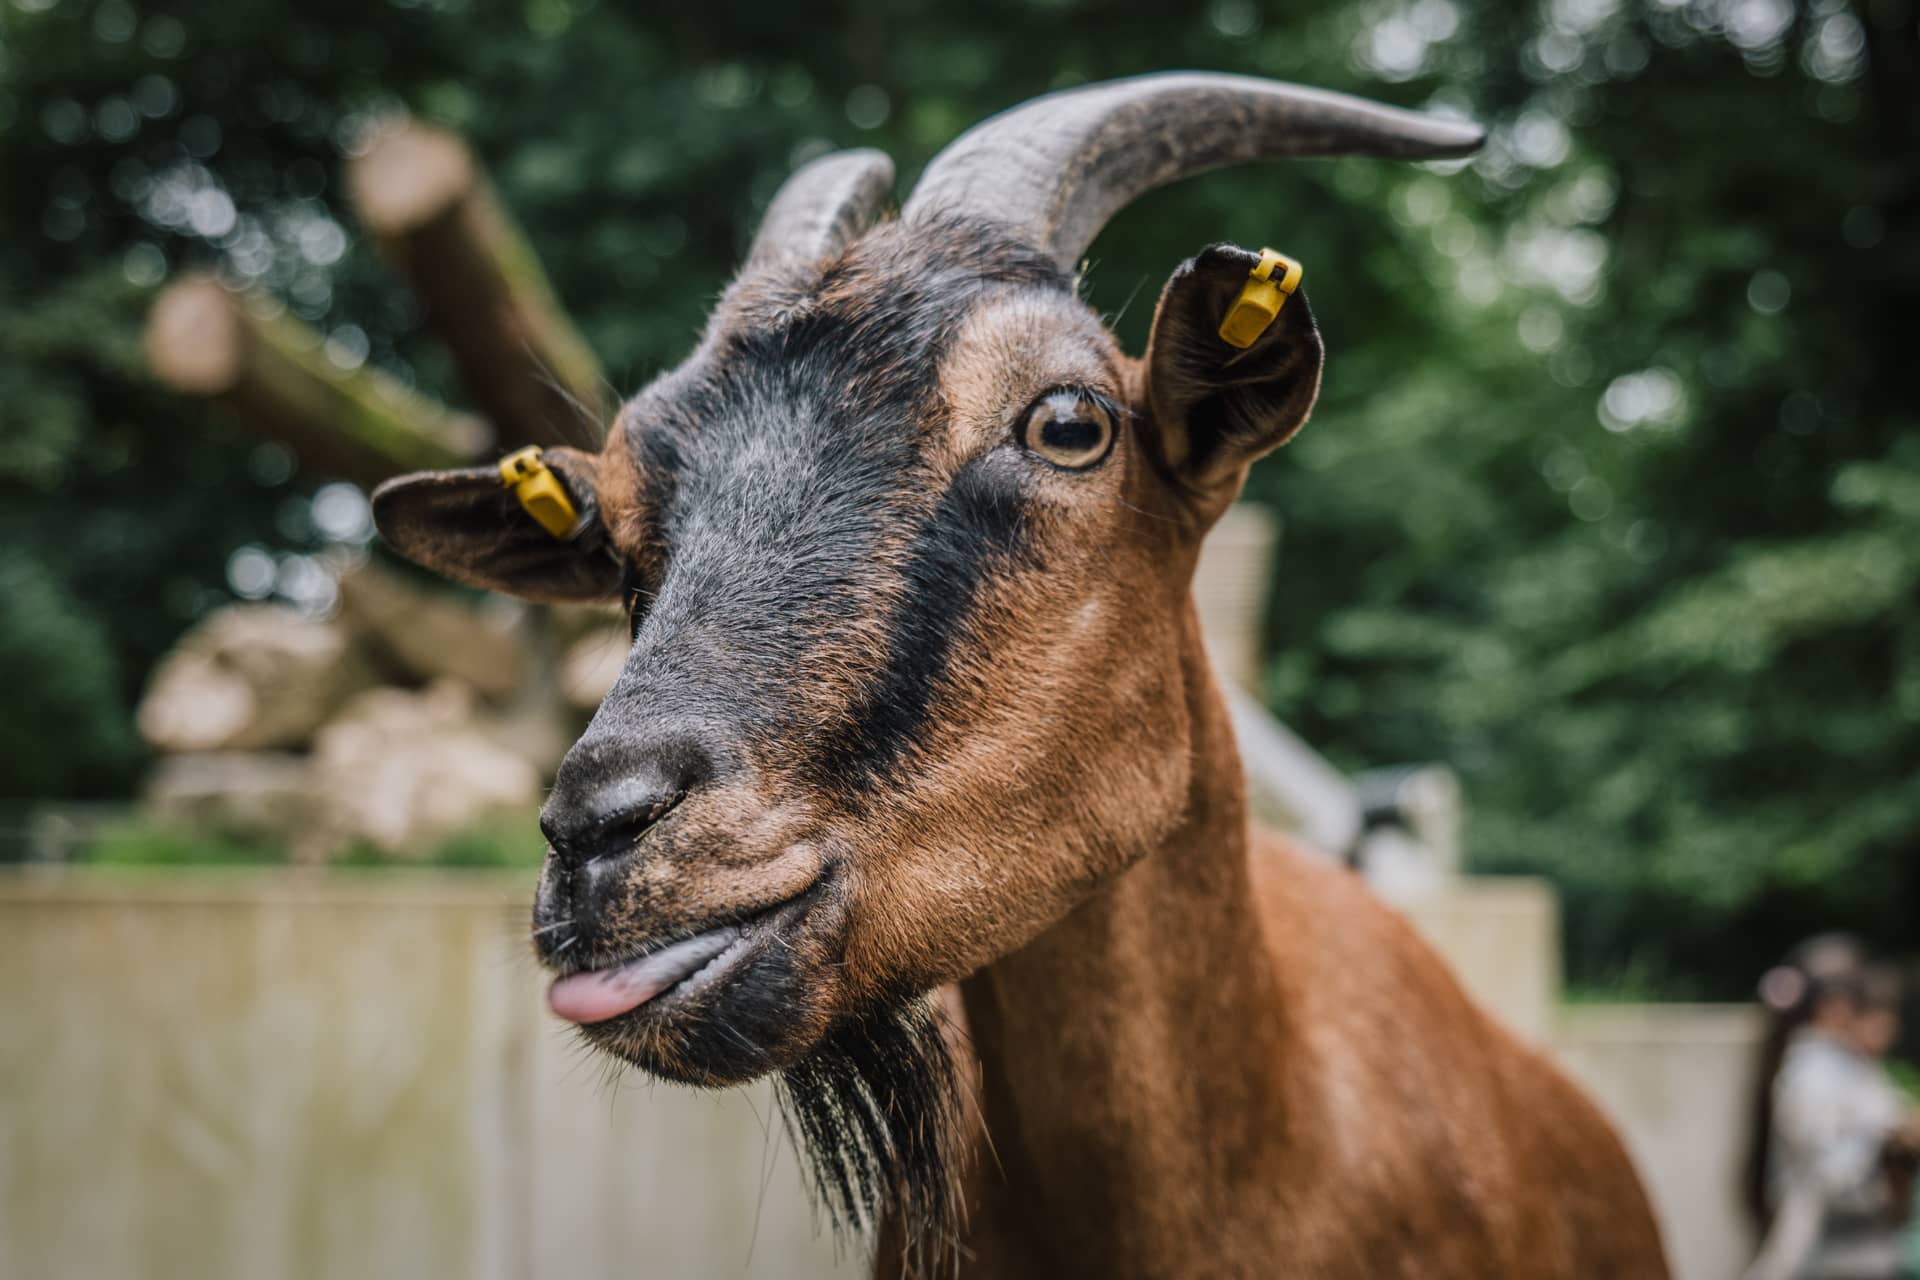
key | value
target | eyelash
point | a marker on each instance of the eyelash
(632, 596)
(1098, 399)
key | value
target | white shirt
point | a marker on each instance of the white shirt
(1833, 1110)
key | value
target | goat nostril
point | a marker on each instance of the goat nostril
(613, 835)
(610, 792)
(619, 834)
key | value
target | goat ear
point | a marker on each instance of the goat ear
(468, 526)
(1218, 406)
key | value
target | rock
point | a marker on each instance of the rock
(248, 794)
(405, 770)
(249, 677)
(427, 635)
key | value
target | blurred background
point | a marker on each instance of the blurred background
(1608, 522)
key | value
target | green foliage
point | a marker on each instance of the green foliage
(510, 843)
(505, 843)
(139, 844)
(1906, 1076)
(1611, 500)
(63, 731)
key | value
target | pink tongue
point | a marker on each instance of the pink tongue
(599, 994)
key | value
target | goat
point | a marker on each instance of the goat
(916, 788)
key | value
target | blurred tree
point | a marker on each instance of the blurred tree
(1611, 500)
(133, 142)
(1633, 542)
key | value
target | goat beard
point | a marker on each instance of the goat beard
(876, 1111)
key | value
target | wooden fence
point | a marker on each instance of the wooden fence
(212, 1074)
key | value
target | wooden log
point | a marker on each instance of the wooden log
(251, 677)
(426, 635)
(272, 371)
(430, 208)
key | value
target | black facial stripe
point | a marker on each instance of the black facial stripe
(977, 529)
(781, 461)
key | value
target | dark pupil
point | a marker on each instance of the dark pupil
(1070, 435)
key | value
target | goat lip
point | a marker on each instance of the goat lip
(599, 995)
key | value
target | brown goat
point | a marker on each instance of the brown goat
(917, 697)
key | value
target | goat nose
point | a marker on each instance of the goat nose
(606, 795)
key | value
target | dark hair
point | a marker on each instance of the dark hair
(1822, 967)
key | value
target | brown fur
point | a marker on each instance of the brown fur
(1233, 1060)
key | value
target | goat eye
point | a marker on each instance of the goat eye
(1070, 430)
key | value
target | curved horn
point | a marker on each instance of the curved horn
(1053, 170)
(822, 206)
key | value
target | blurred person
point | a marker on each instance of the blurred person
(1839, 1142)
(1786, 995)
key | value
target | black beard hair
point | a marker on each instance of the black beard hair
(875, 1110)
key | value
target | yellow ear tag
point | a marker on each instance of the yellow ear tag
(1260, 300)
(539, 491)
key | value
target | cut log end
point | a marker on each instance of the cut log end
(195, 337)
(409, 174)
(243, 351)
